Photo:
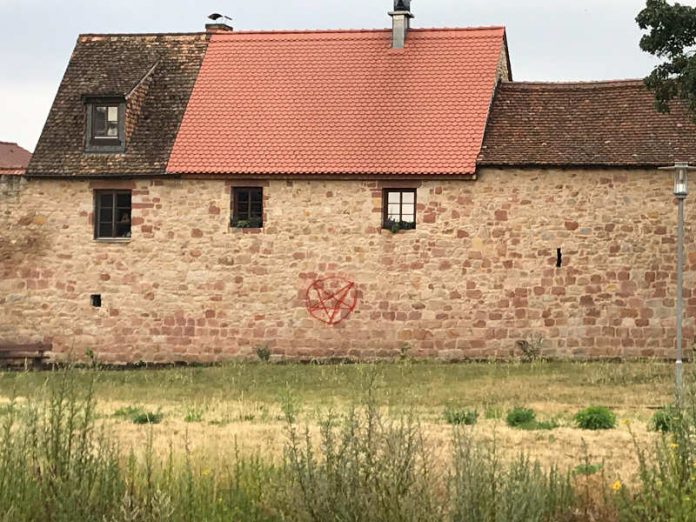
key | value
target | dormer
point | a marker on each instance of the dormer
(111, 118)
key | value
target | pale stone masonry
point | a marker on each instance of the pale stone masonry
(478, 274)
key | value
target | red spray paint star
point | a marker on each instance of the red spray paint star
(331, 300)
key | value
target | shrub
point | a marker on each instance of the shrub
(525, 419)
(263, 353)
(664, 420)
(531, 348)
(517, 417)
(457, 417)
(595, 418)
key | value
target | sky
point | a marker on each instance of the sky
(550, 40)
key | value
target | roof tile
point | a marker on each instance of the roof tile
(116, 64)
(13, 159)
(603, 124)
(340, 103)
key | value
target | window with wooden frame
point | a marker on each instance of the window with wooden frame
(399, 209)
(106, 124)
(112, 214)
(247, 207)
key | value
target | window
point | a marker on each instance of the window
(399, 209)
(105, 125)
(105, 122)
(247, 207)
(112, 214)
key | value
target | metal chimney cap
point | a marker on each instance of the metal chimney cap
(402, 5)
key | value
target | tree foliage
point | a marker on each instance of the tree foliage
(671, 37)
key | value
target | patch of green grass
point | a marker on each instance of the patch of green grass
(538, 426)
(128, 412)
(525, 419)
(493, 413)
(586, 469)
(137, 415)
(460, 416)
(562, 385)
(147, 417)
(193, 414)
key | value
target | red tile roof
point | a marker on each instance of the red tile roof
(340, 102)
(596, 124)
(13, 159)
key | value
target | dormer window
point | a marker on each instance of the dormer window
(105, 124)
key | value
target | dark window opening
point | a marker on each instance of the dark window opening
(399, 209)
(559, 258)
(105, 125)
(105, 122)
(247, 207)
(96, 300)
(112, 214)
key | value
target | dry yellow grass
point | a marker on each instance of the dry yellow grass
(239, 407)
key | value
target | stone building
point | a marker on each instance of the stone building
(338, 194)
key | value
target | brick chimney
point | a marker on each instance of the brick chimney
(401, 21)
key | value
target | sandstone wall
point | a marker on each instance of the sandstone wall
(477, 275)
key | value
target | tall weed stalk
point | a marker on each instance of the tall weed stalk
(366, 467)
(486, 489)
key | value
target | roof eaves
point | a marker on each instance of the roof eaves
(568, 165)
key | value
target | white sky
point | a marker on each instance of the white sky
(553, 40)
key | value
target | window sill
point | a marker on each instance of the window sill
(237, 230)
(105, 150)
(116, 240)
(388, 231)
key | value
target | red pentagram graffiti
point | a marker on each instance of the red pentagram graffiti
(331, 300)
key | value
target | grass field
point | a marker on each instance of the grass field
(240, 406)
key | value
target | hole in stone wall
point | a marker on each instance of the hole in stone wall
(95, 299)
(559, 258)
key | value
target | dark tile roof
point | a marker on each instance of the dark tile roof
(119, 65)
(13, 158)
(602, 124)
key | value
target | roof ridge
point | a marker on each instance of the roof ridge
(86, 36)
(366, 30)
(577, 84)
(292, 31)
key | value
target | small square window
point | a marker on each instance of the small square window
(112, 214)
(399, 209)
(105, 125)
(247, 207)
